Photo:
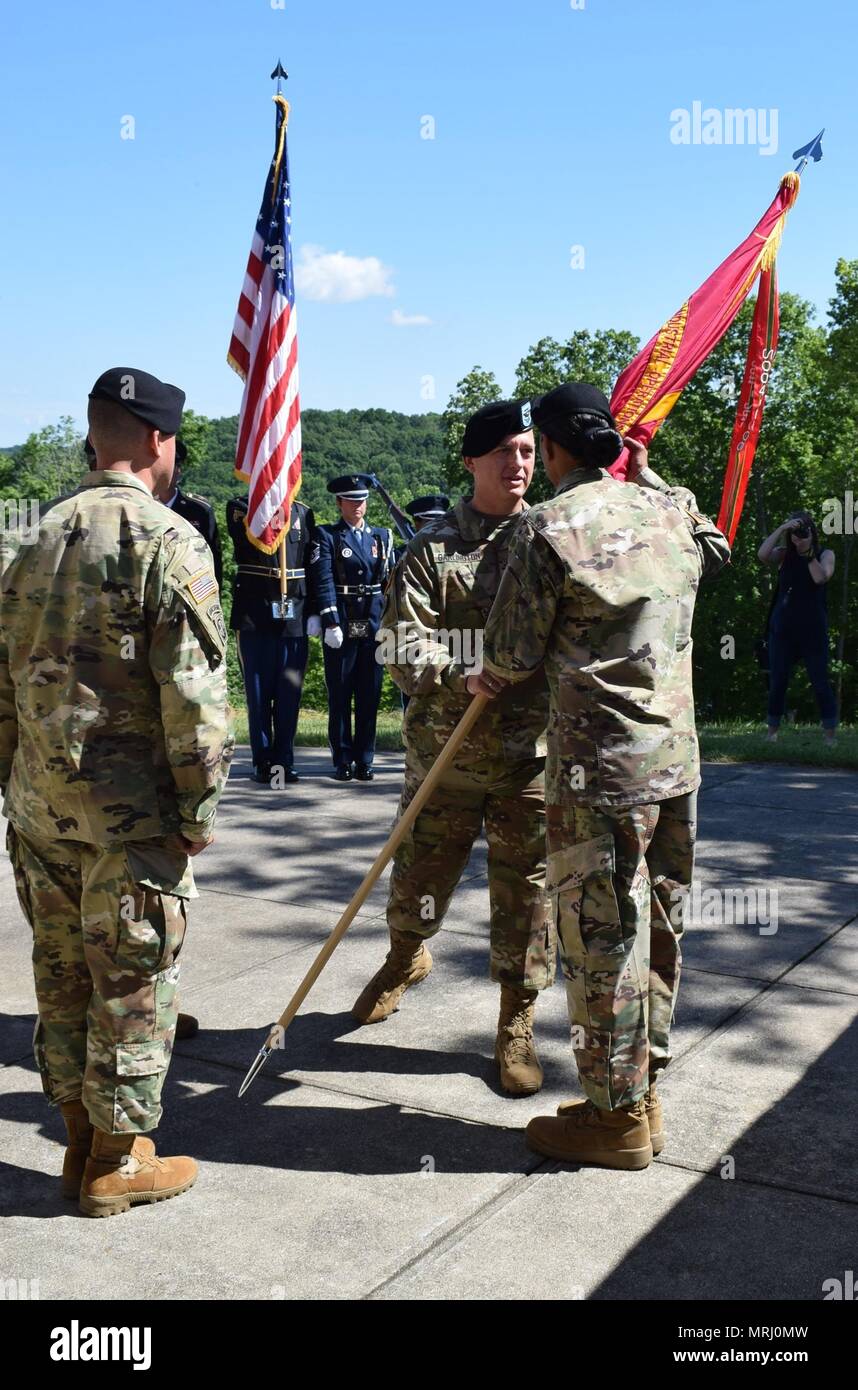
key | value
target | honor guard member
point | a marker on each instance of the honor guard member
(425, 510)
(435, 611)
(196, 510)
(351, 565)
(114, 751)
(599, 592)
(271, 637)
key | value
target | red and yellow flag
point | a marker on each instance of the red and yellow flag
(650, 386)
(762, 348)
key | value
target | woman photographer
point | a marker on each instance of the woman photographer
(798, 623)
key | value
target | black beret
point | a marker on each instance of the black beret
(492, 424)
(143, 395)
(577, 416)
(435, 504)
(353, 486)
(571, 399)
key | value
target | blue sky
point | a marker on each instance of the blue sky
(552, 130)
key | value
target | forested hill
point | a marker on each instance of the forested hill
(406, 451)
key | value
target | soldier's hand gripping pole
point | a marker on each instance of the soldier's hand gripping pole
(397, 835)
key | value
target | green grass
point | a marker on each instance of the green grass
(313, 729)
(740, 741)
(734, 741)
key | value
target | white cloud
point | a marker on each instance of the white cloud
(400, 320)
(335, 278)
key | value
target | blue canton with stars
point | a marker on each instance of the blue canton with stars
(274, 223)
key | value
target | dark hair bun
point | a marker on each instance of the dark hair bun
(601, 446)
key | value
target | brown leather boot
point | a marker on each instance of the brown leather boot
(79, 1131)
(186, 1027)
(124, 1170)
(585, 1134)
(655, 1118)
(408, 962)
(515, 1050)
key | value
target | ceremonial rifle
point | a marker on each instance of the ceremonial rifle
(400, 519)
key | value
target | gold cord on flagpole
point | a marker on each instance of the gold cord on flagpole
(281, 136)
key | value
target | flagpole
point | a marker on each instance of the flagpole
(280, 73)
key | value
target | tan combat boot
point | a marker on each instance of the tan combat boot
(408, 962)
(654, 1115)
(79, 1131)
(585, 1134)
(515, 1051)
(655, 1119)
(124, 1170)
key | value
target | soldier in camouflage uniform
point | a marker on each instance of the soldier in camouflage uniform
(600, 590)
(114, 750)
(440, 596)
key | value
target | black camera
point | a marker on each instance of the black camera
(802, 531)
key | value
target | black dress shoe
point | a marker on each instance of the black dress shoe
(343, 773)
(284, 775)
(364, 773)
(262, 774)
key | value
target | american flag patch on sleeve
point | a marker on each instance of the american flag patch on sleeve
(202, 586)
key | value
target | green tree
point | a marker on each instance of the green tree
(50, 463)
(837, 442)
(594, 357)
(476, 389)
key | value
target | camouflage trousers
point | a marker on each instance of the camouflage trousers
(509, 801)
(108, 925)
(618, 880)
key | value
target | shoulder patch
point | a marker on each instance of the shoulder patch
(201, 586)
(214, 618)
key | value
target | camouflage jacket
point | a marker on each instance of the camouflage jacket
(600, 587)
(113, 705)
(436, 607)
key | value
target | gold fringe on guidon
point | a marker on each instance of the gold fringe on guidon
(792, 183)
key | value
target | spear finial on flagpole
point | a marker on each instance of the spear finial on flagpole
(812, 150)
(280, 73)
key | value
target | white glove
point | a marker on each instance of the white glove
(314, 626)
(334, 637)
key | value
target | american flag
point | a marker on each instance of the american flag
(264, 352)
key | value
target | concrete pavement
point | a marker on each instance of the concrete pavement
(385, 1163)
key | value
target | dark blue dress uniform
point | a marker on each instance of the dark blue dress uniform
(350, 569)
(272, 651)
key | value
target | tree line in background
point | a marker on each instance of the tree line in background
(807, 446)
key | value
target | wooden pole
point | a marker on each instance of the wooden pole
(394, 840)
